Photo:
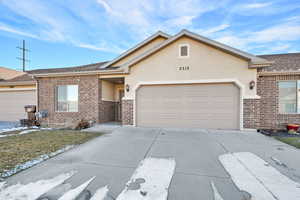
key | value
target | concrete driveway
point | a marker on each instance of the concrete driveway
(114, 157)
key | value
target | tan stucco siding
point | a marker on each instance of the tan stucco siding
(204, 62)
(139, 51)
(108, 91)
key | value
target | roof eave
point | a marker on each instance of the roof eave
(12, 83)
(157, 34)
(251, 58)
(119, 71)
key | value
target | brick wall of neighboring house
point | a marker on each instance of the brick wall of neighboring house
(107, 111)
(251, 114)
(89, 93)
(127, 112)
(270, 118)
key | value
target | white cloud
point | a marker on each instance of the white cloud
(100, 47)
(257, 5)
(6, 28)
(275, 36)
(210, 31)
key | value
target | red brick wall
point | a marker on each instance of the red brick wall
(270, 118)
(251, 114)
(107, 111)
(89, 94)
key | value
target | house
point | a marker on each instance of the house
(17, 90)
(184, 80)
(6, 73)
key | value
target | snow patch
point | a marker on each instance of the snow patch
(72, 194)
(252, 174)
(33, 162)
(100, 194)
(12, 129)
(157, 174)
(27, 131)
(33, 190)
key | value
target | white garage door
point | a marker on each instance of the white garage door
(12, 104)
(188, 105)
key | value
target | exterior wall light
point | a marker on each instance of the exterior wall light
(251, 85)
(127, 87)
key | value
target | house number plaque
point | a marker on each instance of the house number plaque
(183, 68)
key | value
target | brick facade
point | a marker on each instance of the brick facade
(127, 112)
(107, 111)
(87, 102)
(270, 118)
(251, 113)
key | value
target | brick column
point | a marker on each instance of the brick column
(251, 113)
(127, 112)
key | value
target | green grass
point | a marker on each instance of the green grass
(19, 149)
(293, 141)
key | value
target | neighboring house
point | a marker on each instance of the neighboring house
(6, 73)
(184, 80)
(15, 93)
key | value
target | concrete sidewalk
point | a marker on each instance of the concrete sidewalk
(112, 158)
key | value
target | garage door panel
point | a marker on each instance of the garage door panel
(12, 104)
(188, 105)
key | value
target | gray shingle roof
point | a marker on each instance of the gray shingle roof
(282, 62)
(80, 68)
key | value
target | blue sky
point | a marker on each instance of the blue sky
(64, 33)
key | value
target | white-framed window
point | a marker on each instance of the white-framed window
(289, 97)
(184, 51)
(67, 98)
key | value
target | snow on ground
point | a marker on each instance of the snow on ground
(33, 190)
(252, 174)
(28, 131)
(100, 194)
(153, 176)
(33, 162)
(12, 129)
(72, 194)
(25, 131)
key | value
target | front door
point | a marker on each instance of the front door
(121, 95)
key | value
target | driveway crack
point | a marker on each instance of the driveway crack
(152, 143)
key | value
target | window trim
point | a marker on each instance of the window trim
(56, 99)
(297, 98)
(188, 50)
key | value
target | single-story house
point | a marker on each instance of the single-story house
(184, 80)
(16, 91)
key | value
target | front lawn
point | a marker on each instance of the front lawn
(294, 141)
(17, 150)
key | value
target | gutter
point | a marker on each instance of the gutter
(83, 73)
(6, 83)
(279, 73)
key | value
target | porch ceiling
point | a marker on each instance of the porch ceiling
(114, 80)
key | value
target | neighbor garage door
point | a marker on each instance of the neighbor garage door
(12, 104)
(188, 105)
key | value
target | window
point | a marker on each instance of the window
(183, 51)
(289, 97)
(67, 98)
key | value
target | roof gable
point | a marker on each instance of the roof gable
(137, 47)
(254, 60)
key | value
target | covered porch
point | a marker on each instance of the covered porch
(111, 94)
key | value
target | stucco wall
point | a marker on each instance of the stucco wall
(108, 91)
(204, 63)
(146, 47)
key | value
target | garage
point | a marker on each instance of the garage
(214, 106)
(12, 104)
